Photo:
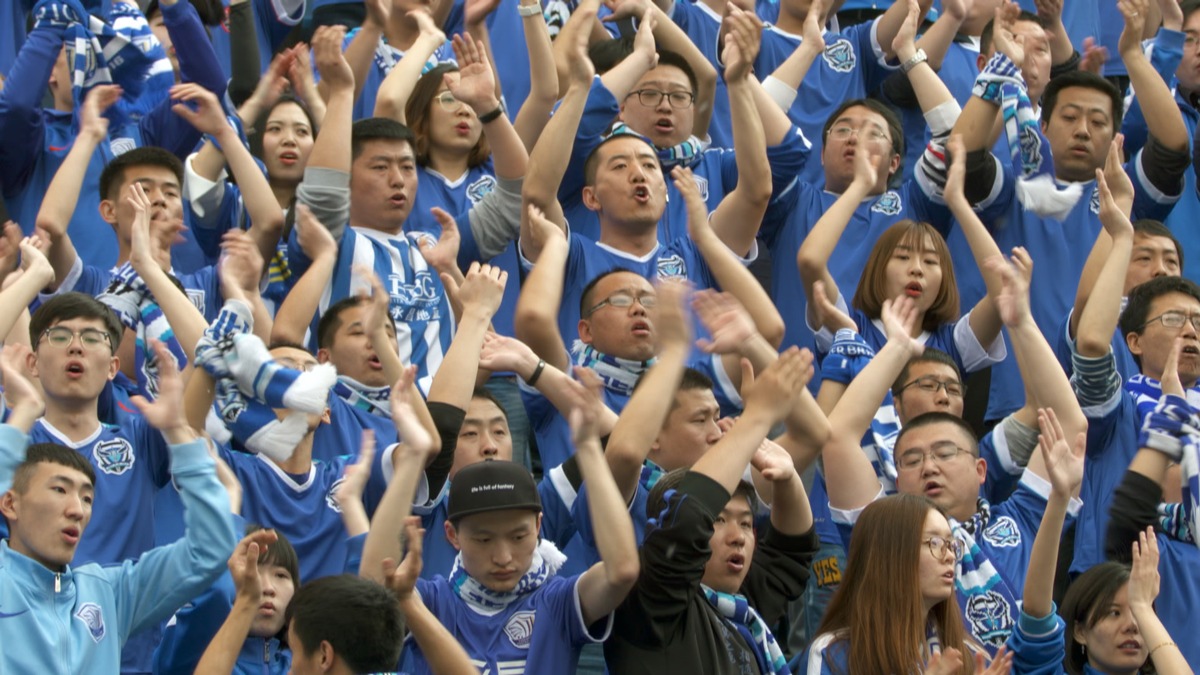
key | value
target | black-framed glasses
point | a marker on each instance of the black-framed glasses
(448, 102)
(89, 338)
(941, 453)
(931, 384)
(652, 97)
(940, 546)
(623, 300)
(1175, 319)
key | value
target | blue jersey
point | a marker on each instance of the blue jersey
(1176, 606)
(273, 21)
(202, 287)
(1112, 441)
(958, 72)
(540, 632)
(1061, 342)
(419, 308)
(460, 196)
(1065, 244)
(852, 65)
(702, 25)
(342, 437)
(383, 59)
(792, 216)
(302, 507)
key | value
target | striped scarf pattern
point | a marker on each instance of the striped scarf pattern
(737, 610)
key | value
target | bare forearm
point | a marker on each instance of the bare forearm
(543, 81)
(265, 215)
(1099, 318)
(791, 512)
(332, 147)
(643, 418)
(397, 87)
(1043, 559)
(1044, 377)
(441, 649)
(359, 54)
(536, 322)
(732, 276)
(221, 655)
(455, 379)
(55, 214)
(383, 541)
(1163, 118)
(296, 313)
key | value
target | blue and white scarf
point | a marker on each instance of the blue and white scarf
(619, 375)
(686, 154)
(989, 605)
(750, 624)
(1173, 428)
(547, 560)
(250, 385)
(133, 303)
(375, 400)
(127, 20)
(1147, 392)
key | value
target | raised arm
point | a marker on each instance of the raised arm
(738, 216)
(220, 658)
(1099, 317)
(543, 76)
(979, 113)
(892, 21)
(55, 214)
(36, 273)
(392, 97)
(1121, 188)
(849, 477)
(813, 256)
(22, 398)
(536, 320)
(361, 50)
(644, 416)
(985, 318)
(480, 294)
(1163, 119)
(476, 87)
(621, 78)
(602, 587)
(295, 314)
(1063, 458)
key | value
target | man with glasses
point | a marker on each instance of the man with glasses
(936, 454)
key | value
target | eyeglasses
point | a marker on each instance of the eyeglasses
(89, 338)
(1175, 320)
(652, 97)
(942, 453)
(843, 133)
(623, 300)
(940, 546)
(448, 102)
(931, 384)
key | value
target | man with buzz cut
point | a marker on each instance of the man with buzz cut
(58, 618)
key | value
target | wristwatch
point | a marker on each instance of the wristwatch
(529, 10)
(912, 62)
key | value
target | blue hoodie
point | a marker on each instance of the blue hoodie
(74, 622)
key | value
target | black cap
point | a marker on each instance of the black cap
(493, 485)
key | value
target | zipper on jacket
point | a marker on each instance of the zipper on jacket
(57, 582)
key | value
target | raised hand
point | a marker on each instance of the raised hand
(1143, 578)
(378, 13)
(505, 354)
(1049, 11)
(166, 412)
(476, 12)
(1006, 39)
(33, 260)
(949, 662)
(22, 397)
(904, 45)
(1172, 14)
(91, 115)
(377, 315)
(243, 564)
(813, 31)
(141, 251)
(300, 75)
(580, 69)
(314, 239)
(1001, 664)
(10, 246)
(443, 255)
(588, 401)
(1064, 457)
(475, 84)
(1117, 180)
(241, 265)
(866, 171)
(743, 38)
(727, 321)
(402, 579)
(1170, 376)
(542, 230)
(199, 107)
(671, 324)
(354, 477)
(826, 313)
(643, 41)
(776, 390)
(327, 49)
(483, 289)
(773, 462)
(1134, 11)
(1013, 301)
(697, 211)
(271, 85)
(409, 426)
(428, 30)
(901, 319)
(954, 191)
(1094, 56)
(624, 9)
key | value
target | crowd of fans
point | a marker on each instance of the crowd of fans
(501, 336)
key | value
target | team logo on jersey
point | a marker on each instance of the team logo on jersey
(889, 203)
(418, 299)
(197, 297)
(702, 183)
(1095, 200)
(423, 239)
(672, 267)
(114, 457)
(331, 497)
(519, 629)
(121, 145)
(1003, 533)
(840, 56)
(989, 617)
(480, 189)
(92, 617)
(1031, 150)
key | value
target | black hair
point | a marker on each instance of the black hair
(605, 54)
(1153, 228)
(486, 394)
(378, 129)
(1082, 78)
(930, 355)
(1189, 7)
(667, 57)
(985, 36)
(73, 305)
(895, 130)
(592, 164)
(585, 297)
(1137, 306)
(930, 418)
(255, 134)
(656, 502)
(113, 175)
(1087, 598)
(331, 320)
(359, 619)
(49, 453)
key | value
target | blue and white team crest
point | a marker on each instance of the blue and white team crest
(197, 297)
(92, 617)
(122, 145)
(989, 618)
(519, 629)
(113, 457)
(423, 239)
(1031, 150)
(331, 497)
(702, 183)
(672, 267)
(889, 203)
(1095, 205)
(840, 56)
(1003, 533)
(480, 189)
(417, 300)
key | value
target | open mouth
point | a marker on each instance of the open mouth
(375, 363)
(1130, 646)
(71, 535)
(736, 562)
(1190, 350)
(933, 489)
(397, 199)
(463, 128)
(289, 158)
(640, 329)
(641, 194)
(914, 290)
(75, 368)
(664, 125)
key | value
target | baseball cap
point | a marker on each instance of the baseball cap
(492, 485)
